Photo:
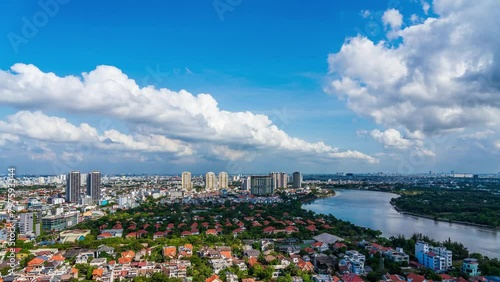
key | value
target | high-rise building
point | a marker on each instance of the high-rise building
(280, 179)
(223, 180)
(261, 185)
(297, 180)
(274, 177)
(94, 186)
(210, 181)
(73, 187)
(245, 183)
(186, 181)
(29, 224)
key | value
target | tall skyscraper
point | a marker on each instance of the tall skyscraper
(274, 177)
(280, 179)
(186, 181)
(73, 181)
(297, 180)
(210, 181)
(261, 185)
(245, 183)
(94, 186)
(283, 180)
(223, 180)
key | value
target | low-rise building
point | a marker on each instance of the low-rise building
(355, 262)
(59, 222)
(436, 258)
(471, 267)
(397, 255)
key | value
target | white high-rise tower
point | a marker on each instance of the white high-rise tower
(210, 181)
(186, 181)
(223, 180)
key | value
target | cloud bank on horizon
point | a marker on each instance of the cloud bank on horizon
(178, 124)
(431, 82)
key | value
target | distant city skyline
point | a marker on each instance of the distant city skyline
(290, 176)
(352, 86)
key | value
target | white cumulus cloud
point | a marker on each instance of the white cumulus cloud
(160, 120)
(392, 18)
(443, 76)
(391, 138)
(437, 79)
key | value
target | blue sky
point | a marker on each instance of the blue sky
(279, 60)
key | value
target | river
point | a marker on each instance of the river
(373, 209)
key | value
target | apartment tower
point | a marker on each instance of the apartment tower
(73, 181)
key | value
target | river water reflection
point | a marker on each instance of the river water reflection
(373, 209)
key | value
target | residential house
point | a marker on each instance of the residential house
(35, 265)
(209, 253)
(231, 277)
(211, 232)
(218, 264)
(169, 252)
(393, 278)
(97, 262)
(103, 236)
(186, 251)
(160, 234)
(447, 278)
(324, 264)
(351, 277)
(97, 274)
(240, 264)
(252, 253)
(339, 245)
(289, 249)
(128, 254)
(320, 246)
(176, 268)
(115, 232)
(397, 255)
(213, 278)
(104, 249)
(322, 278)
(305, 266)
(84, 256)
(412, 277)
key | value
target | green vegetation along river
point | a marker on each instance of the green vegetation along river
(374, 210)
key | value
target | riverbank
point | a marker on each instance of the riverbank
(373, 210)
(401, 211)
(458, 206)
(308, 199)
(443, 219)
